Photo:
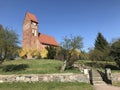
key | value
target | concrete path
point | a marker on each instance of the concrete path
(105, 87)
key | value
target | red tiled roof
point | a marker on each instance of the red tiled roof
(48, 40)
(32, 17)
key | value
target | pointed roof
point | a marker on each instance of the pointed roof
(48, 40)
(32, 17)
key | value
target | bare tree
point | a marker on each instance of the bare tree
(70, 44)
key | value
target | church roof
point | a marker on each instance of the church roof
(32, 17)
(48, 40)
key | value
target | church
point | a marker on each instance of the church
(32, 38)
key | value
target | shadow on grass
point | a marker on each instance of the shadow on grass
(112, 67)
(95, 64)
(102, 65)
(10, 68)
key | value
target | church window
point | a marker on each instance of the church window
(33, 30)
(35, 34)
(34, 23)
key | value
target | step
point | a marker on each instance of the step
(98, 82)
(97, 79)
(96, 73)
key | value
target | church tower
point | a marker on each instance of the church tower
(32, 40)
(30, 31)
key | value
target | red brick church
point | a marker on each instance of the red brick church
(31, 38)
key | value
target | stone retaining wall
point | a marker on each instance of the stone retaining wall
(44, 78)
(115, 77)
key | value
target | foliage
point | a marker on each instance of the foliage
(83, 55)
(115, 51)
(46, 86)
(101, 50)
(101, 43)
(60, 54)
(72, 42)
(43, 53)
(22, 53)
(51, 52)
(8, 43)
(96, 55)
(35, 53)
(70, 45)
(74, 56)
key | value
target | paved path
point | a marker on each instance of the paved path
(105, 87)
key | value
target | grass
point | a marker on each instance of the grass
(116, 84)
(40, 66)
(46, 66)
(46, 86)
(100, 65)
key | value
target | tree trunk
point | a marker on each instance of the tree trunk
(64, 66)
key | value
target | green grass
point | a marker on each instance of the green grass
(46, 86)
(42, 66)
(46, 66)
(101, 65)
(116, 84)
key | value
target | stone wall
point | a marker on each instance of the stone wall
(44, 78)
(115, 77)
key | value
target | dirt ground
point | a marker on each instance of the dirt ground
(105, 87)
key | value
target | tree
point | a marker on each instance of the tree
(8, 43)
(60, 54)
(101, 50)
(70, 44)
(115, 51)
(101, 43)
(83, 55)
(51, 52)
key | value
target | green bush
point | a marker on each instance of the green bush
(115, 52)
(51, 52)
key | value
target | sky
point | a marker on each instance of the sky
(60, 18)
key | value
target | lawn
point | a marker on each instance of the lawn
(46, 86)
(100, 65)
(116, 84)
(40, 66)
(47, 66)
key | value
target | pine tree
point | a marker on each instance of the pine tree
(101, 50)
(101, 43)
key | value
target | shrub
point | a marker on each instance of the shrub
(34, 53)
(22, 53)
(115, 52)
(74, 56)
(51, 52)
(83, 56)
(60, 54)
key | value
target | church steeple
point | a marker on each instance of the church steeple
(30, 31)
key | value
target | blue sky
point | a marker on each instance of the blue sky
(60, 18)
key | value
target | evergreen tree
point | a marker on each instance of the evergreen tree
(101, 43)
(101, 50)
(51, 52)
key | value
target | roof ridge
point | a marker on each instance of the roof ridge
(43, 38)
(32, 16)
(46, 35)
